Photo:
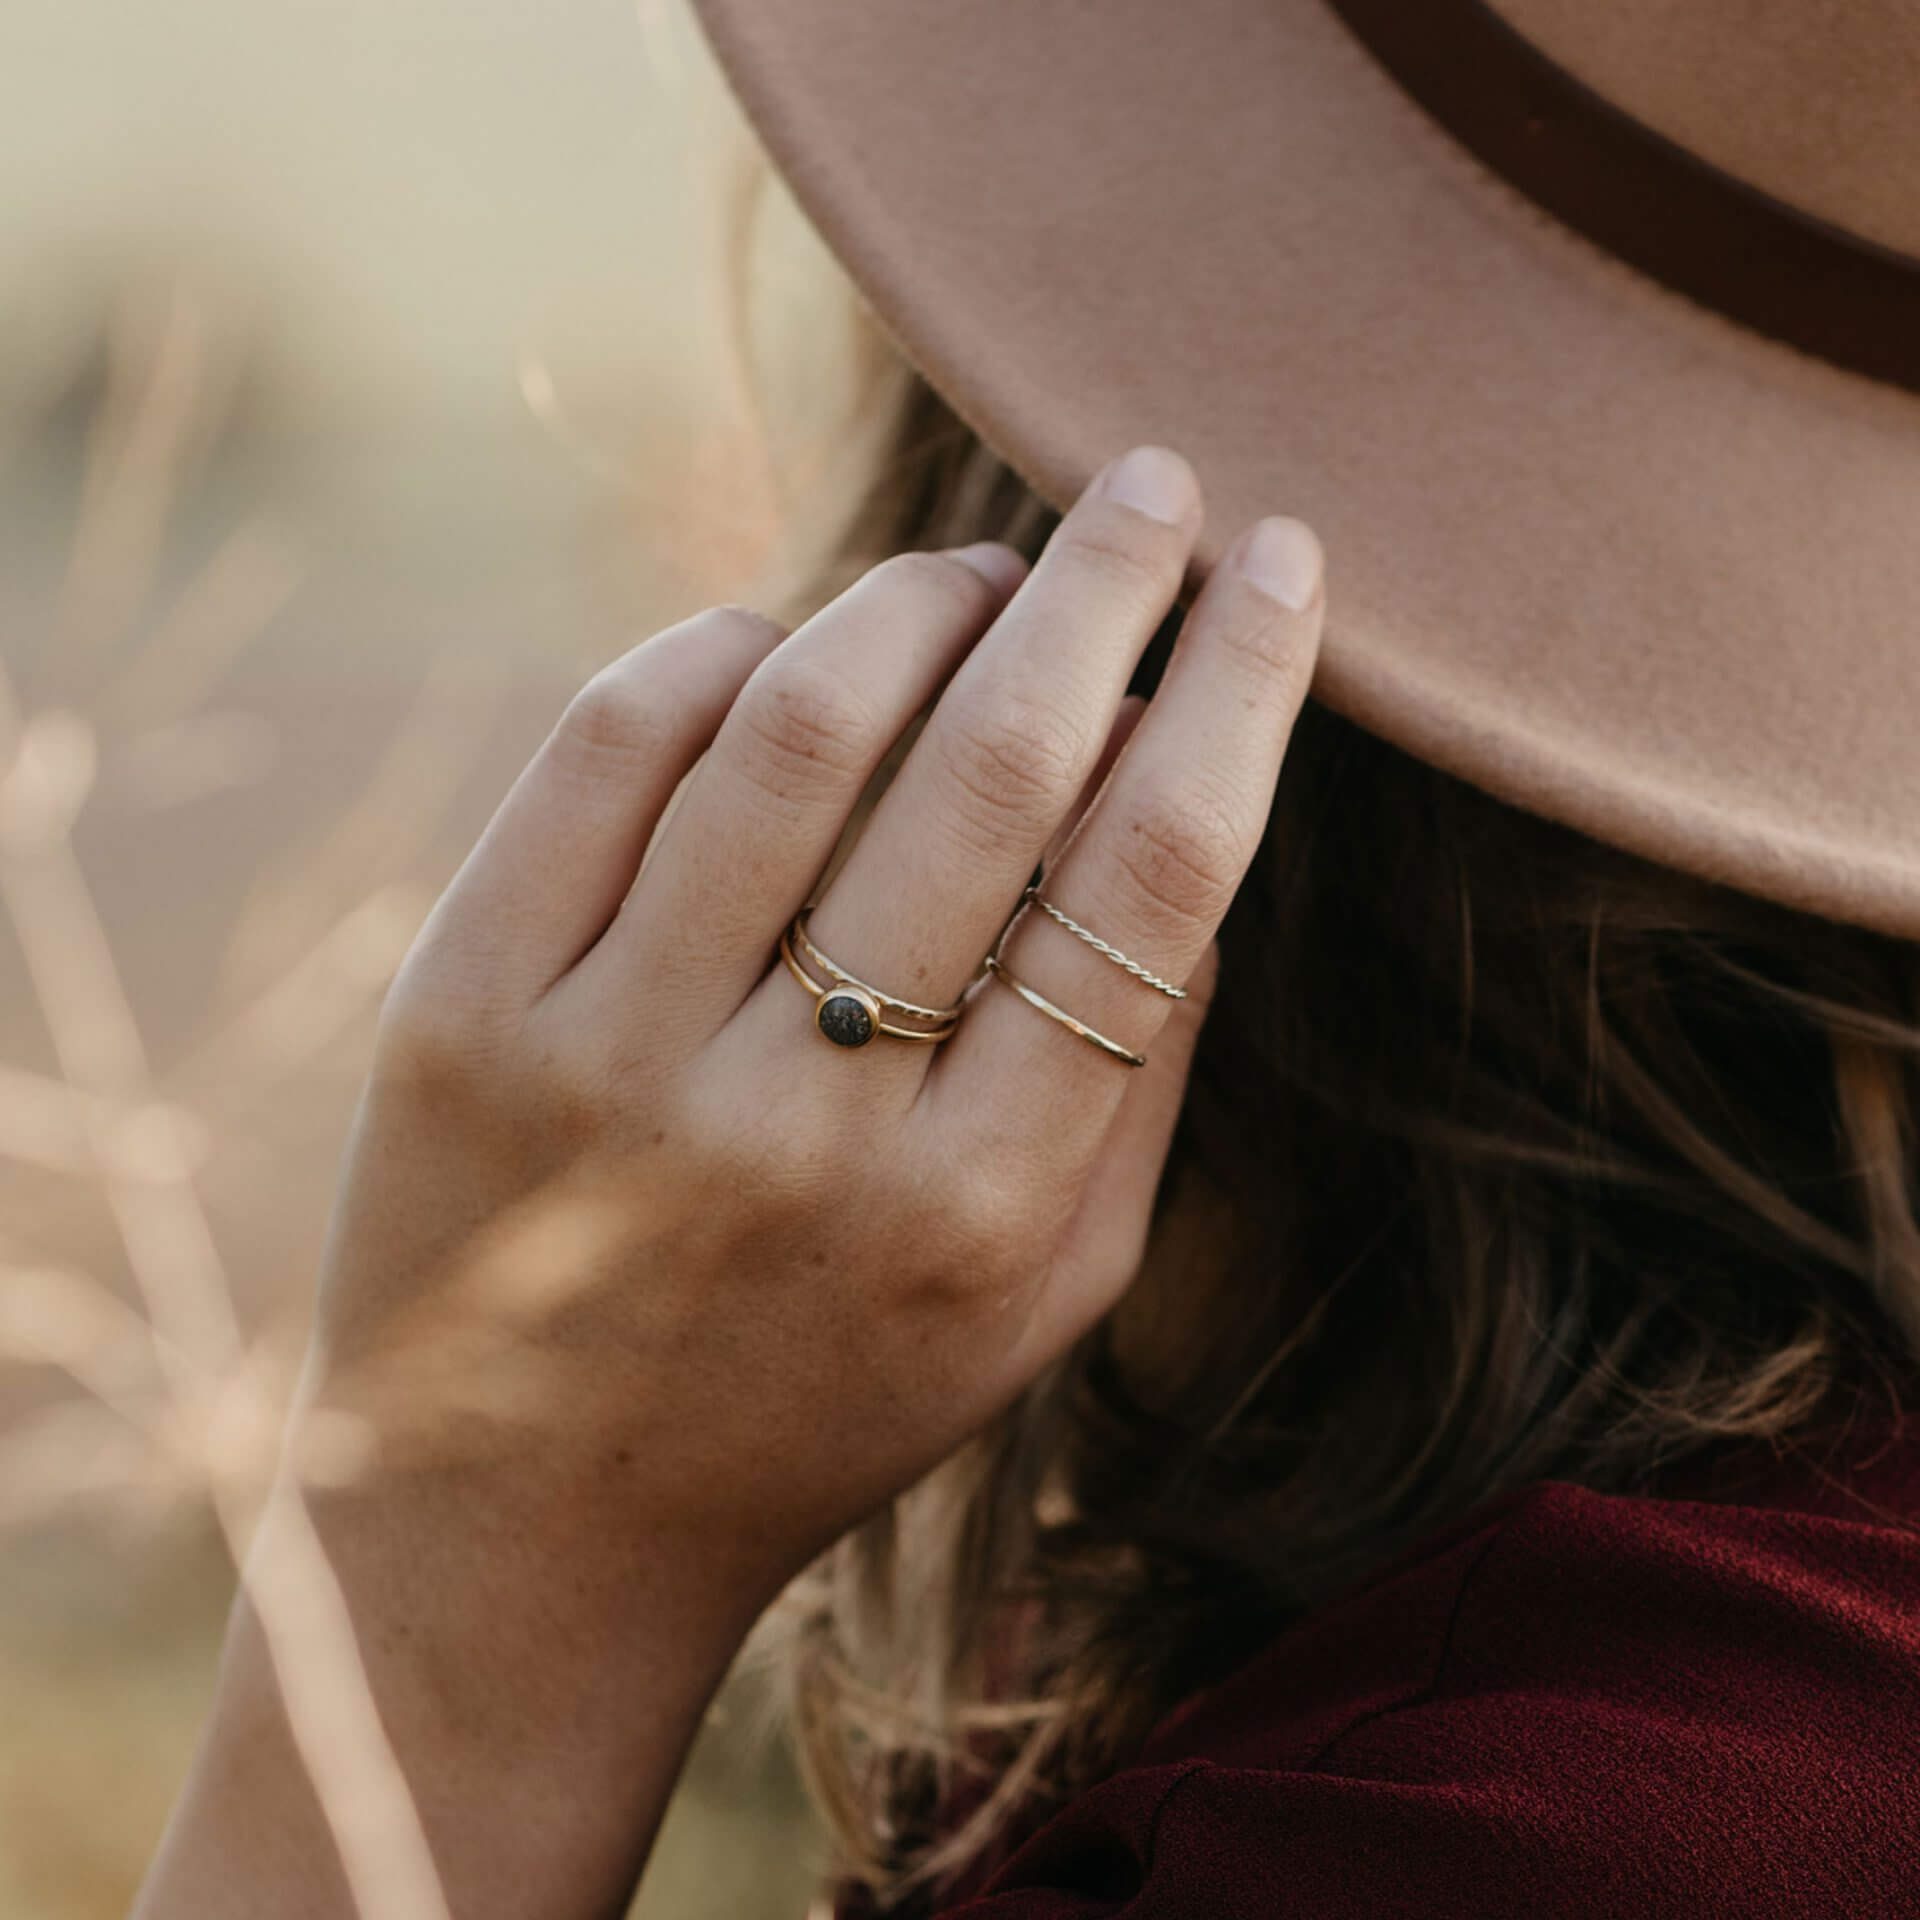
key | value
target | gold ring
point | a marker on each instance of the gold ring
(1114, 954)
(833, 972)
(848, 1013)
(1046, 1006)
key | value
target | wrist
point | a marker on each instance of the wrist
(538, 1696)
(523, 1577)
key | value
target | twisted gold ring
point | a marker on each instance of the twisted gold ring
(1114, 954)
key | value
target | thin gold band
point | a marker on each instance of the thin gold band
(819, 992)
(1046, 1006)
(835, 972)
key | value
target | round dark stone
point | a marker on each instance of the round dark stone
(845, 1020)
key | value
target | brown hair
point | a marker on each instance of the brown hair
(1507, 1156)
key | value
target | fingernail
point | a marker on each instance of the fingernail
(1152, 481)
(1282, 558)
(994, 561)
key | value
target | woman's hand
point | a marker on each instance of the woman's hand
(759, 1282)
(810, 1271)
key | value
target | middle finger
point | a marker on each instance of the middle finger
(1012, 741)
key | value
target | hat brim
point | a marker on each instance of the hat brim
(1593, 548)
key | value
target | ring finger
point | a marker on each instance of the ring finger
(1153, 868)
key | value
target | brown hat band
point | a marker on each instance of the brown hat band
(1651, 203)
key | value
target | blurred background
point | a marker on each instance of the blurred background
(370, 371)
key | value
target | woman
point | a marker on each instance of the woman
(1476, 1476)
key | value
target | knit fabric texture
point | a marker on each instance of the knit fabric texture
(1700, 1701)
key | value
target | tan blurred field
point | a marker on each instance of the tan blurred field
(369, 376)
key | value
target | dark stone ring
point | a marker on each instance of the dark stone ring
(848, 1011)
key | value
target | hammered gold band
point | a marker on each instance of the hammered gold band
(798, 931)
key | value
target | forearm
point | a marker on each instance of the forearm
(538, 1687)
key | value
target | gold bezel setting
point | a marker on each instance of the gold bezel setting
(847, 1016)
(847, 1013)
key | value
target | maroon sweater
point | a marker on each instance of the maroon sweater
(1701, 1702)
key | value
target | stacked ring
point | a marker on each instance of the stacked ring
(1114, 954)
(997, 967)
(1046, 1006)
(848, 1011)
(798, 932)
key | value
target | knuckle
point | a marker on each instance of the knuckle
(733, 617)
(973, 1226)
(566, 1101)
(1012, 762)
(1254, 630)
(806, 731)
(937, 577)
(1125, 560)
(1179, 858)
(435, 1033)
(613, 724)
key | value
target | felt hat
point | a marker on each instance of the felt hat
(1587, 337)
